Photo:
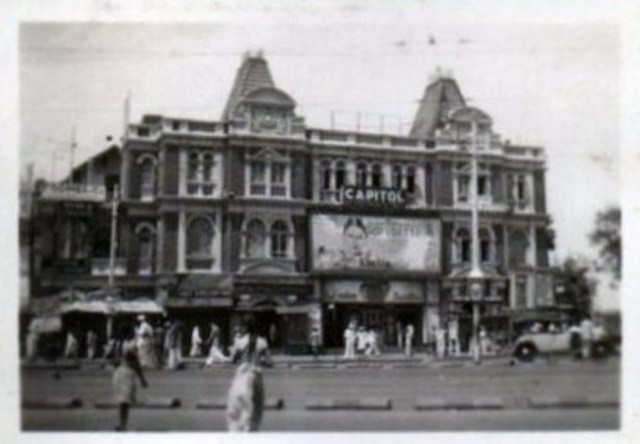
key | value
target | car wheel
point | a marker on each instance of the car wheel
(526, 352)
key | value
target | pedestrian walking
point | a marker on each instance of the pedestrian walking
(408, 340)
(314, 340)
(350, 341)
(158, 345)
(145, 343)
(124, 384)
(173, 342)
(440, 342)
(92, 344)
(196, 343)
(71, 346)
(33, 337)
(215, 353)
(245, 402)
(373, 342)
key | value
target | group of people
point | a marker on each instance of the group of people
(361, 340)
(245, 400)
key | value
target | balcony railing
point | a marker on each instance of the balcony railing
(100, 267)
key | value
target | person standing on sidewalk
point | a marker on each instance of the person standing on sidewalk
(314, 340)
(400, 336)
(586, 337)
(350, 341)
(408, 340)
(196, 343)
(92, 344)
(362, 338)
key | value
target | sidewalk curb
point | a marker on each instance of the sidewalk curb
(51, 366)
(349, 365)
(52, 403)
(221, 404)
(480, 403)
(149, 403)
(550, 402)
(349, 404)
(314, 366)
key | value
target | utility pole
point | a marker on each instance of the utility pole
(114, 233)
(476, 274)
(72, 153)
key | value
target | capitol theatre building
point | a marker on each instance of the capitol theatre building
(307, 227)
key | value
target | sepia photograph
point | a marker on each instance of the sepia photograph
(356, 217)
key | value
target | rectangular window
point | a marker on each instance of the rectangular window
(463, 188)
(521, 292)
(200, 178)
(278, 179)
(257, 178)
(482, 185)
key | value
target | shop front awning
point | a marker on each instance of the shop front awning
(46, 324)
(195, 302)
(139, 306)
(293, 309)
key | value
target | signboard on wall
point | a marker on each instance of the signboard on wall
(372, 292)
(391, 243)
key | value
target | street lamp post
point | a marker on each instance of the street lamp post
(476, 275)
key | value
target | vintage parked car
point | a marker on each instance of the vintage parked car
(568, 342)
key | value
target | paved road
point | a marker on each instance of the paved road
(404, 386)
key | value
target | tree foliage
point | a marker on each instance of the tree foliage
(607, 237)
(577, 288)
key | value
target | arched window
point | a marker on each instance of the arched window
(411, 180)
(376, 176)
(279, 238)
(341, 174)
(326, 175)
(486, 247)
(463, 243)
(200, 234)
(518, 244)
(361, 174)
(255, 239)
(147, 178)
(396, 177)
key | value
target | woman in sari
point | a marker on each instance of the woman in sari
(246, 395)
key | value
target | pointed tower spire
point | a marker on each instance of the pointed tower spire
(440, 97)
(253, 73)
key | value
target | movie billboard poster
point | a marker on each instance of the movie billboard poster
(391, 243)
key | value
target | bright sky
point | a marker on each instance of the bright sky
(555, 86)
